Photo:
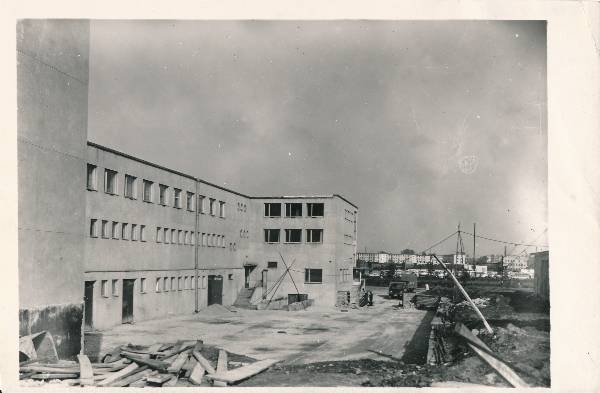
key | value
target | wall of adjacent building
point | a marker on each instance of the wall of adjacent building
(52, 79)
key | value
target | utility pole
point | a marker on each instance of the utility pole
(474, 233)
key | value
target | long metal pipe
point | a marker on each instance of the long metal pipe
(196, 229)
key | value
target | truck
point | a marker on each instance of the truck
(409, 278)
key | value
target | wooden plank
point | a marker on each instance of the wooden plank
(119, 374)
(238, 374)
(86, 373)
(55, 376)
(131, 379)
(159, 379)
(49, 370)
(178, 363)
(222, 361)
(204, 362)
(138, 384)
(197, 374)
(172, 382)
(501, 368)
(465, 333)
(153, 364)
(173, 355)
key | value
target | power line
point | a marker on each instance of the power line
(505, 242)
(441, 241)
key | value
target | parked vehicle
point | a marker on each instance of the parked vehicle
(396, 288)
(410, 279)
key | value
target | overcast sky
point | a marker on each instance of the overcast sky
(421, 124)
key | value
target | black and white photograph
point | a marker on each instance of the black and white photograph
(283, 203)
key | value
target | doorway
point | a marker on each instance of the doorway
(247, 271)
(215, 290)
(88, 301)
(127, 308)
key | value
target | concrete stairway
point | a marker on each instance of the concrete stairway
(243, 299)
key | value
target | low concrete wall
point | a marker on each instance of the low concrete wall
(299, 305)
(278, 304)
(62, 321)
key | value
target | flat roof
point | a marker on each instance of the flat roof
(145, 162)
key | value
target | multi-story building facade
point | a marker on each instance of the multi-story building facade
(162, 242)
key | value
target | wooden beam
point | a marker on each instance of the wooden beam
(222, 361)
(501, 368)
(178, 363)
(130, 379)
(153, 364)
(86, 373)
(197, 374)
(130, 369)
(241, 373)
(204, 362)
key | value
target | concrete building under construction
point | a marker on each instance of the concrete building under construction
(107, 238)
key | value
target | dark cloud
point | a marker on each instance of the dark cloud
(380, 112)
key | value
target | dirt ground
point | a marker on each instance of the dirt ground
(296, 337)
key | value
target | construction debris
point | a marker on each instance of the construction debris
(179, 364)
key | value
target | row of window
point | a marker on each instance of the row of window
(294, 235)
(241, 207)
(162, 284)
(117, 230)
(166, 197)
(244, 233)
(294, 209)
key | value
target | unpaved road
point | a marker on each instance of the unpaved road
(300, 337)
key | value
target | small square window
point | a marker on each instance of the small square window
(147, 190)
(193, 242)
(115, 230)
(189, 201)
(142, 233)
(313, 275)
(93, 227)
(115, 287)
(272, 265)
(186, 238)
(204, 239)
(180, 237)
(314, 235)
(125, 231)
(92, 181)
(192, 282)
(162, 194)
(173, 284)
(110, 182)
(134, 235)
(104, 288)
(230, 276)
(130, 189)
(142, 285)
(174, 236)
(177, 198)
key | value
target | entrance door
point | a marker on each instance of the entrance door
(127, 309)
(215, 290)
(265, 274)
(88, 299)
(247, 270)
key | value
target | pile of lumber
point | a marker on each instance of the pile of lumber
(179, 364)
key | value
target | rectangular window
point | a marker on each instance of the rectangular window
(223, 241)
(115, 230)
(174, 236)
(213, 207)
(272, 209)
(125, 231)
(177, 198)
(272, 265)
(189, 201)
(130, 190)
(180, 237)
(186, 282)
(147, 190)
(105, 229)
(93, 227)
(142, 233)
(271, 235)
(293, 210)
(193, 242)
(142, 285)
(166, 235)
(110, 182)
(314, 235)
(204, 240)
(158, 234)
(221, 209)
(104, 288)
(192, 282)
(173, 284)
(201, 207)
(166, 284)
(92, 181)
(293, 235)
(162, 194)
(313, 276)
(315, 209)
(186, 237)
(115, 287)
(134, 235)
(157, 286)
